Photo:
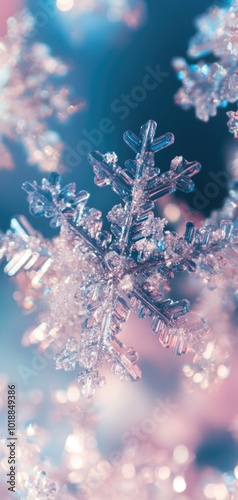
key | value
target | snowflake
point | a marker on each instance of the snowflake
(90, 279)
(207, 86)
(31, 92)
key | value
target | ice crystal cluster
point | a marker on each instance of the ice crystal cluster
(31, 92)
(89, 279)
(210, 85)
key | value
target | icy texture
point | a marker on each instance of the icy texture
(32, 91)
(207, 86)
(91, 279)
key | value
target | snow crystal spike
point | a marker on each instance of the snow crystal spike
(146, 141)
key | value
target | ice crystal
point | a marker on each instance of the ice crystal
(90, 279)
(31, 92)
(209, 85)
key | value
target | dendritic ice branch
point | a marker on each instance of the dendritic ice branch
(32, 90)
(90, 279)
(210, 85)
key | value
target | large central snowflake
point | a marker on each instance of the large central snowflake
(90, 279)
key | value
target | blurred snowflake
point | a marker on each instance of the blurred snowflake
(89, 279)
(32, 482)
(207, 86)
(219, 298)
(31, 92)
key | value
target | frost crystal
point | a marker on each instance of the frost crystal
(31, 92)
(90, 279)
(207, 86)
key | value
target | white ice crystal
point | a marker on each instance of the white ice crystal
(210, 85)
(32, 91)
